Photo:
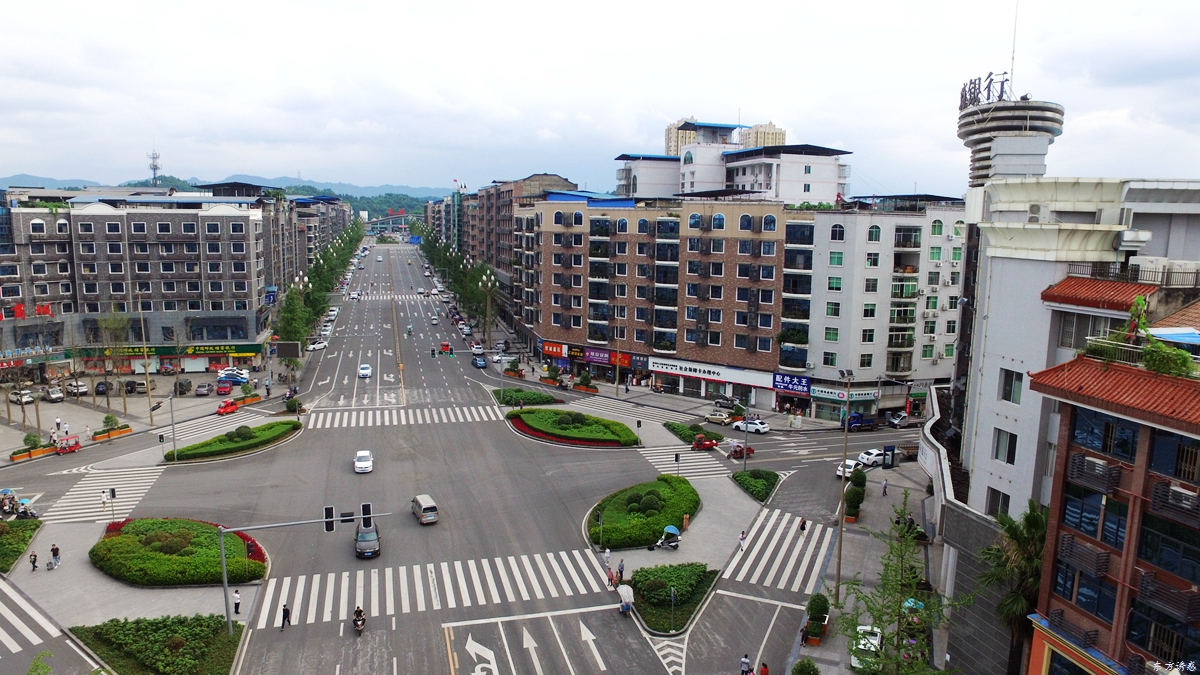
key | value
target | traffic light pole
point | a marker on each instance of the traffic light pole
(221, 530)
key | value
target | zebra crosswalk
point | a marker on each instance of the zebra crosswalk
(357, 418)
(398, 297)
(210, 426)
(692, 464)
(23, 625)
(779, 555)
(407, 589)
(612, 406)
(83, 504)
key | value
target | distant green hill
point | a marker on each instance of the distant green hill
(375, 206)
(163, 181)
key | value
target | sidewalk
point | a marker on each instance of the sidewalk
(861, 556)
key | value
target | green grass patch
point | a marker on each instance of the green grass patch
(658, 617)
(516, 396)
(637, 515)
(14, 538)
(576, 426)
(687, 433)
(172, 552)
(239, 440)
(173, 645)
(758, 482)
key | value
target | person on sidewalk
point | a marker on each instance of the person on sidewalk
(237, 601)
(611, 578)
(54, 554)
(884, 487)
(742, 541)
(87, 432)
(58, 423)
(606, 555)
(764, 670)
(33, 561)
(746, 669)
(66, 429)
(287, 618)
(621, 571)
(803, 524)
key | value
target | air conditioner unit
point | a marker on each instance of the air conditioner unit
(933, 290)
(928, 313)
(950, 237)
(935, 312)
(931, 338)
(1038, 213)
(947, 282)
(954, 263)
(935, 360)
(809, 365)
(946, 307)
(937, 264)
(920, 291)
(701, 325)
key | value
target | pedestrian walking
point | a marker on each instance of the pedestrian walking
(764, 670)
(803, 524)
(33, 561)
(256, 383)
(746, 669)
(268, 389)
(87, 432)
(606, 555)
(54, 554)
(237, 601)
(58, 423)
(626, 386)
(287, 618)
(66, 429)
(610, 577)
(884, 487)
(621, 571)
(53, 436)
(742, 541)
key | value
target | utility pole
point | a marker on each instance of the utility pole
(848, 375)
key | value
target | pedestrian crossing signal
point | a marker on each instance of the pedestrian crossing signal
(330, 523)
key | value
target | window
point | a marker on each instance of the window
(166, 249)
(718, 245)
(952, 303)
(137, 228)
(85, 228)
(237, 228)
(835, 258)
(872, 260)
(1010, 385)
(807, 169)
(87, 248)
(868, 336)
(829, 359)
(39, 269)
(865, 360)
(1075, 328)
(935, 252)
(193, 286)
(1097, 431)
(68, 308)
(873, 234)
(216, 306)
(41, 289)
(927, 351)
(694, 221)
(190, 228)
(933, 278)
(1175, 455)
(831, 334)
(112, 228)
(833, 309)
(1171, 546)
(214, 267)
(1004, 447)
(623, 225)
(64, 268)
(191, 267)
(169, 306)
(745, 246)
(997, 502)
(956, 253)
(117, 288)
(114, 247)
(214, 247)
(766, 320)
(869, 310)
(871, 285)
(835, 283)
(578, 218)
(764, 344)
(837, 232)
(808, 187)
(766, 296)
(716, 269)
(193, 305)
(63, 227)
(768, 248)
(955, 278)
(768, 223)
(935, 228)
(164, 228)
(64, 287)
(87, 268)
(948, 350)
(739, 318)
(116, 268)
(718, 221)
(141, 247)
(239, 266)
(746, 222)
(951, 327)
(237, 247)
(622, 247)
(714, 315)
(37, 249)
(168, 267)
(930, 328)
(37, 227)
(212, 228)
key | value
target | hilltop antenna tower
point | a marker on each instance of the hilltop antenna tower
(155, 167)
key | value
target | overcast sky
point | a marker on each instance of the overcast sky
(421, 93)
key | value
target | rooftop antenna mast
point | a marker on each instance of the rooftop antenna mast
(1012, 63)
(155, 167)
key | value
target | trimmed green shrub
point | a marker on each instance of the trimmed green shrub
(146, 553)
(806, 666)
(222, 445)
(649, 502)
(514, 396)
(854, 500)
(32, 440)
(626, 527)
(818, 606)
(292, 405)
(14, 539)
(575, 426)
(173, 645)
(111, 421)
(654, 583)
(758, 482)
(585, 379)
(858, 478)
(687, 434)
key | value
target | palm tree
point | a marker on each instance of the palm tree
(1015, 564)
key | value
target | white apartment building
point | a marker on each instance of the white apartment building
(761, 135)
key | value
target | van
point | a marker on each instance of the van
(425, 510)
(182, 387)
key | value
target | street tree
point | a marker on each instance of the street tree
(114, 335)
(1014, 565)
(294, 318)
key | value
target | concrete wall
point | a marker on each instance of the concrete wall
(978, 642)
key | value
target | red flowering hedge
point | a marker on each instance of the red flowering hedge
(580, 429)
(174, 552)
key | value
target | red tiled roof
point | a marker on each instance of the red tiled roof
(1188, 317)
(1098, 293)
(1162, 400)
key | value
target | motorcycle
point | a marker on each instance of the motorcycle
(360, 622)
(670, 539)
(656, 389)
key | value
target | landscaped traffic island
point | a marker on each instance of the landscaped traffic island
(172, 645)
(516, 396)
(242, 439)
(571, 428)
(652, 591)
(14, 539)
(175, 552)
(637, 515)
(758, 482)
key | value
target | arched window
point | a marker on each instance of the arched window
(874, 233)
(63, 226)
(837, 233)
(719, 221)
(622, 225)
(935, 227)
(643, 226)
(687, 157)
(634, 185)
(558, 218)
(37, 226)
(958, 224)
(579, 217)
(768, 223)
(745, 222)
(694, 221)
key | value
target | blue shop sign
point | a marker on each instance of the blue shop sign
(792, 384)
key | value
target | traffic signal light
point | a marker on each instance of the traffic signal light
(433, 352)
(330, 523)
(366, 514)
(452, 352)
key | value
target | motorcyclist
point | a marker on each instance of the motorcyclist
(360, 618)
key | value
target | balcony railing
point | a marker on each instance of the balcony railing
(901, 342)
(1085, 638)
(1082, 556)
(1174, 503)
(1108, 350)
(908, 242)
(1180, 605)
(1177, 276)
(1093, 473)
(904, 293)
(902, 319)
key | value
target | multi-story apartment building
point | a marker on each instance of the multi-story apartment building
(676, 138)
(761, 135)
(189, 270)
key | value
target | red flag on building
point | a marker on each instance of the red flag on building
(19, 311)
(43, 310)
(401, 212)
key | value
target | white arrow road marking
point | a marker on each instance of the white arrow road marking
(528, 643)
(387, 325)
(345, 379)
(324, 382)
(390, 398)
(586, 636)
(824, 459)
(366, 397)
(796, 452)
(477, 650)
(388, 352)
(388, 377)
(341, 399)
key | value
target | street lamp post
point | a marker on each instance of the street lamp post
(145, 359)
(488, 285)
(847, 375)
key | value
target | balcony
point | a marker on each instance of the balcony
(903, 319)
(901, 342)
(1174, 503)
(1085, 638)
(1093, 473)
(907, 270)
(1177, 276)
(899, 367)
(1082, 556)
(1180, 605)
(907, 241)
(1108, 350)
(905, 293)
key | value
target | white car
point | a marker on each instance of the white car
(427, 273)
(420, 290)
(378, 258)
(872, 457)
(23, 397)
(77, 388)
(476, 348)
(240, 372)
(364, 370)
(433, 320)
(869, 639)
(319, 344)
(754, 426)
(354, 295)
(364, 461)
(327, 330)
(465, 329)
(848, 468)
(500, 356)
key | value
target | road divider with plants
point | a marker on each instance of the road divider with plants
(175, 552)
(516, 396)
(571, 428)
(637, 515)
(171, 645)
(242, 439)
(687, 433)
(652, 588)
(758, 482)
(15, 536)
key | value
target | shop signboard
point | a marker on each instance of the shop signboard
(709, 371)
(573, 352)
(595, 355)
(552, 349)
(792, 384)
(639, 361)
(220, 349)
(840, 394)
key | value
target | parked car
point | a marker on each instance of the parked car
(22, 397)
(479, 362)
(899, 420)
(859, 422)
(754, 426)
(139, 387)
(872, 457)
(869, 640)
(205, 388)
(236, 372)
(364, 461)
(130, 386)
(77, 389)
(53, 395)
(466, 330)
(327, 330)
(103, 388)
(420, 290)
(224, 387)
(723, 401)
(501, 356)
(847, 468)
(227, 406)
(719, 417)
(183, 386)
